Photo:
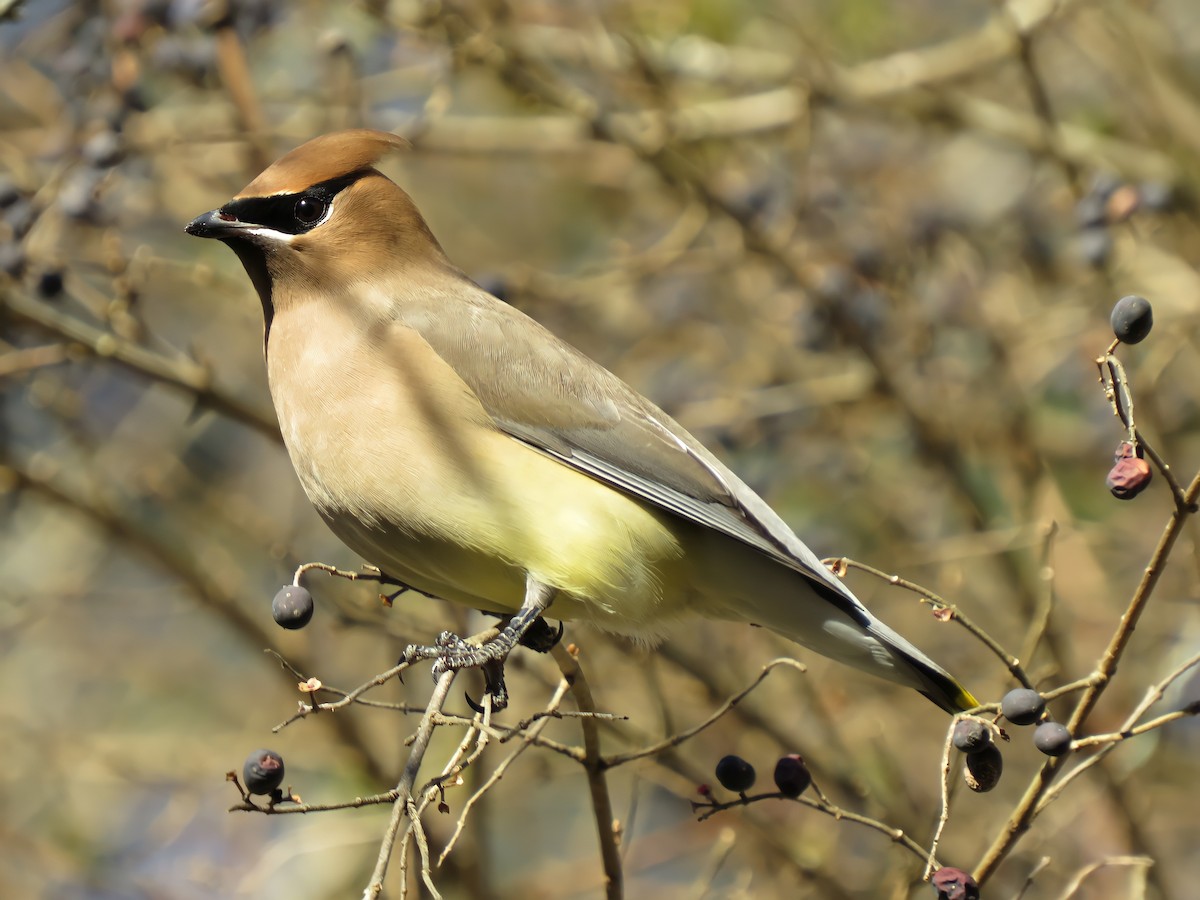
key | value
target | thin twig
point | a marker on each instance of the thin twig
(679, 737)
(307, 709)
(896, 835)
(183, 374)
(1025, 811)
(1119, 395)
(13, 362)
(594, 765)
(841, 563)
(1040, 624)
(303, 808)
(408, 777)
(1128, 729)
(528, 740)
(1140, 862)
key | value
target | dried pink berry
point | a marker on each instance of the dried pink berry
(955, 884)
(1129, 477)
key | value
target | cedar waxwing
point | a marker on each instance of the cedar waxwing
(457, 444)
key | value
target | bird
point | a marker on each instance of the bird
(464, 449)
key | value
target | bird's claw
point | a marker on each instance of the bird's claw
(451, 653)
(494, 685)
(542, 637)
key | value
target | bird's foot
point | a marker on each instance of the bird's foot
(542, 637)
(451, 653)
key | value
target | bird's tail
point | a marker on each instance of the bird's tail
(932, 680)
(852, 635)
(939, 685)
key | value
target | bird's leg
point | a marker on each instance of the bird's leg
(452, 652)
(542, 637)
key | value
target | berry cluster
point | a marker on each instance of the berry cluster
(792, 777)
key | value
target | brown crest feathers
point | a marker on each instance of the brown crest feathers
(328, 156)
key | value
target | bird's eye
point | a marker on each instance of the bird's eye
(309, 210)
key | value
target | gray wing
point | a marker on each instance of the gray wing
(564, 404)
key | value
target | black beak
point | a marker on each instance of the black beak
(214, 224)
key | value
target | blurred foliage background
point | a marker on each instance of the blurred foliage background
(864, 250)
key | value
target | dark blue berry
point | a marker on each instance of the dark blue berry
(1132, 318)
(263, 772)
(735, 774)
(1022, 706)
(791, 775)
(1052, 738)
(971, 735)
(50, 283)
(292, 606)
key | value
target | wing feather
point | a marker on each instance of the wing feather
(561, 403)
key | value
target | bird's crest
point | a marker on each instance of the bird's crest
(323, 158)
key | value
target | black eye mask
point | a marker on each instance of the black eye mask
(289, 213)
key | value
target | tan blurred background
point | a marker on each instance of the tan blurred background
(866, 251)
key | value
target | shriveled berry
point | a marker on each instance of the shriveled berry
(984, 768)
(735, 774)
(791, 775)
(954, 884)
(1052, 738)
(292, 606)
(1128, 477)
(971, 735)
(263, 772)
(1132, 318)
(1022, 706)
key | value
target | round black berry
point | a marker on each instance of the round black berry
(263, 772)
(735, 774)
(1022, 706)
(971, 735)
(50, 283)
(791, 775)
(983, 769)
(292, 606)
(1052, 738)
(1131, 319)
